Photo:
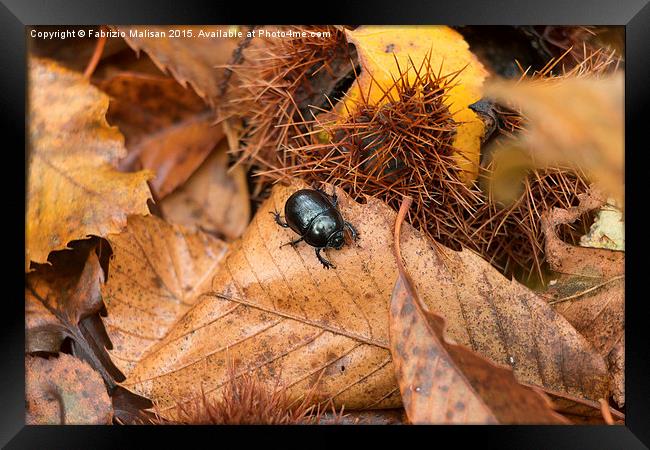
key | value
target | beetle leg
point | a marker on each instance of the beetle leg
(278, 220)
(292, 243)
(324, 261)
(353, 231)
(333, 198)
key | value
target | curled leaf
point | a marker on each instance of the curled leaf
(59, 304)
(167, 127)
(442, 382)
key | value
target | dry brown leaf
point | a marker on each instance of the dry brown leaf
(572, 120)
(64, 391)
(277, 310)
(156, 274)
(58, 300)
(590, 290)
(445, 383)
(143, 104)
(167, 127)
(189, 59)
(214, 199)
(73, 188)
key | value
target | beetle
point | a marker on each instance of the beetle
(314, 215)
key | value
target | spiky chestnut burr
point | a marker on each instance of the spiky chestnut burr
(274, 85)
(403, 147)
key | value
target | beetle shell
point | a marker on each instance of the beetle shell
(312, 215)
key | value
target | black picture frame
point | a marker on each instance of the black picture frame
(633, 14)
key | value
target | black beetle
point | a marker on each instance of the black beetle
(315, 217)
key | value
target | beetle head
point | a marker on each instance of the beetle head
(336, 240)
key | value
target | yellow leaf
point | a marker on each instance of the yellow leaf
(379, 46)
(73, 187)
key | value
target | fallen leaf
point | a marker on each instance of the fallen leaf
(73, 189)
(57, 302)
(590, 288)
(143, 104)
(190, 59)
(167, 127)
(277, 310)
(573, 120)
(64, 391)
(157, 273)
(445, 383)
(214, 199)
(379, 46)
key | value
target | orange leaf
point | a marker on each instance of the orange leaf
(73, 188)
(573, 120)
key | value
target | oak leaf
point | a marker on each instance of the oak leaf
(192, 60)
(61, 301)
(64, 391)
(167, 127)
(278, 311)
(379, 47)
(73, 188)
(445, 383)
(156, 275)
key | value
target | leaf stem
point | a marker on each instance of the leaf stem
(97, 54)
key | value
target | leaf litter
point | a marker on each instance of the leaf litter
(204, 315)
